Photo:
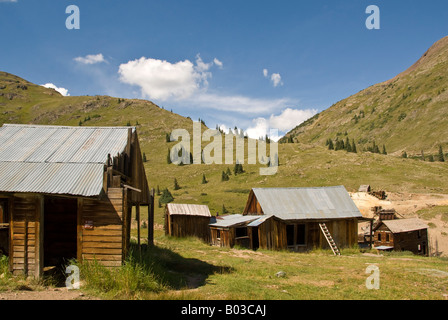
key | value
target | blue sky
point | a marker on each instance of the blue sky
(254, 64)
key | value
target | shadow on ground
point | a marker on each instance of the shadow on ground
(176, 271)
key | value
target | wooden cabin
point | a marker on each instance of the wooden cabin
(402, 235)
(68, 193)
(231, 230)
(291, 218)
(183, 220)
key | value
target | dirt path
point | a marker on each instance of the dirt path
(49, 294)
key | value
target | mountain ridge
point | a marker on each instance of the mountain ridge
(405, 113)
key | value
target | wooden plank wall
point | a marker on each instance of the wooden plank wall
(25, 235)
(225, 237)
(272, 235)
(253, 207)
(105, 241)
(184, 226)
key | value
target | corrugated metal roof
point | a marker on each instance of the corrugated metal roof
(58, 144)
(232, 220)
(83, 179)
(405, 225)
(307, 203)
(57, 159)
(188, 209)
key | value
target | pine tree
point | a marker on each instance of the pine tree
(166, 197)
(158, 190)
(354, 147)
(167, 137)
(228, 172)
(204, 180)
(330, 145)
(224, 210)
(404, 155)
(238, 169)
(168, 157)
(224, 176)
(348, 147)
(384, 149)
(431, 158)
(144, 157)
(176, 185)
(441, 158)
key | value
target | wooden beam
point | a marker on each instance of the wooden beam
(137, 217)
(79, 229)
(39, 237)
(131, 188)
(151, 218)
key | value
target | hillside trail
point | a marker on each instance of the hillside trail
(407, 205)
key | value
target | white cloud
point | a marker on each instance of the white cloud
(62, 91)
(290, 118)
(163, 80)
(218, 63)
(284, 122)
(276, 79)
(91, 59)
(265, 73)
(240, 104)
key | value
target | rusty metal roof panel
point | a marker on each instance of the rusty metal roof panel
(188, 209)
(307, 203)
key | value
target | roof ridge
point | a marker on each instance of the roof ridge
(66, 127)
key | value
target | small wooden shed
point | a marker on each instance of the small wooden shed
(231, 230)
(292, 218)
(69, 193)
(402, 235)
(183, 220)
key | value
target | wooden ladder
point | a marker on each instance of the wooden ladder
(329, 238)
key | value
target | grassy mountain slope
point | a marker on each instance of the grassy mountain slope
(407, 113)
(300, 164)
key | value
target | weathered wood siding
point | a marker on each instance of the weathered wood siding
(272, 234)
(253, 207)
(101, 228)
(25, 235)
(415, 241)
(187, 225)
(222, 237)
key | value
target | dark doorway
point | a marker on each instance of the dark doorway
(60, 226)
(301, 234)
(255, 240)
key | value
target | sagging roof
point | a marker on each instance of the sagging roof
(232, 220)
(57, 159)
(404, 225)
(188, 209)
(306, 203)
